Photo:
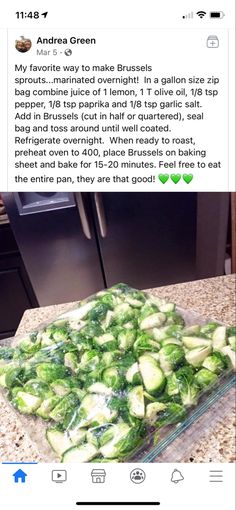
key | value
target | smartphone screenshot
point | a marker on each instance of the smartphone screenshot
(117, 255)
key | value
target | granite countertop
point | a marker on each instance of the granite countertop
(210, 439)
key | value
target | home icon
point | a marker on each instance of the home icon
(98, 475)
(19, 476)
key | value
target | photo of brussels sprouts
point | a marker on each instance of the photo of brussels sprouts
(112, 372)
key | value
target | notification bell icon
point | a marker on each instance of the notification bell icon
(176, 476)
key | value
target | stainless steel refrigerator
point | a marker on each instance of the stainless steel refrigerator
(74, 244)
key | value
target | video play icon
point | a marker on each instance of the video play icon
(59, 476)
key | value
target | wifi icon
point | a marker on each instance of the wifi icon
(201, 14)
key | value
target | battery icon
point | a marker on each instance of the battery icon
(216, 14)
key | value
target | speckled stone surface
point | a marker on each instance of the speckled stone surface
(210, 439)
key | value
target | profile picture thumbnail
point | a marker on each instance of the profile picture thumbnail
(23, 44)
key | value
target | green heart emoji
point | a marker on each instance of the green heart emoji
(187, 178)
(175, 178)
(163, 178)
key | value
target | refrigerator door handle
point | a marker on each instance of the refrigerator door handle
(100, 214)
(83, 215)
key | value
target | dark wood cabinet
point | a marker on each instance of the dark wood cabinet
(16, 294)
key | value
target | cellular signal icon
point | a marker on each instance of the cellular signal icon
(201, 14)
(188, 16)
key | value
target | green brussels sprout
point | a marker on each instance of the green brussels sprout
(13, 391)
(231, 331)
(216, 362)
(53, 354)
(71, 361)
(106, 434)
(153, 321)
(125, 360)
(99, 311)
(135, 303)
(154, 300)
(172, 385)
(106, 342)
(123, 313)
(232, 342)
(133, 375)
(94, 411)
(49, 330)
(171, 340)
(164, 332)
(60, 334)
(230, 354)
(130, 441)
(121, 288)
(136, 402)
(152, 411)
(88, 378)
(118, 402)
(14, 376)
(38, 388)
(174, 318)
(196, 356)
(46, 340)
(49, 372)
(193, 330)
(29, 372)
(59, 440)
(114, 447)
(20, 355)
(108, 299)
(191, 342)
(173, 413)
(64, 386)
(131, 325)
(107, 322)
(146, 310)
(167, 307)
(82, 453)
(99, 388)
(126, 339)
(77, 435)
(26, 403)
(30, 345)
(81, 342)
(189, 390)
(152, 375)
(60, 323)
(171, 356)
(2, 378)
(98, 436)
(91, 329)
(112, 378)
(108, 358)
(89, 361)
(219, 338)
(79, 313)
(79, 393)
(47, 406)
(144, 343)
(209, 328)
(65, 407)
(205, 378)
(6, 353)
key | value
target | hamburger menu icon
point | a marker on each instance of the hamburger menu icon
(23, 44)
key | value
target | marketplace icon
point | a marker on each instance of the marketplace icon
(98, 475)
